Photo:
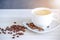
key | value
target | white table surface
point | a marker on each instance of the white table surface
(53, 35)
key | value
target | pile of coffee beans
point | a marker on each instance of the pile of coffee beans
(17, 30)
(32, 26)
(14, 30)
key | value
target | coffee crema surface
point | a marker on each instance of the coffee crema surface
(42, 12)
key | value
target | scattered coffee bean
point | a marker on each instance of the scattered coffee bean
(40, 29)
(32, 26)
(17, 36)
(9, 32)
(13, 37)
(14, 22)
(0, 28)
(4, 32)
(7, 28)
(13, 30)
(0, 32)
(14, 34)
(47, 26)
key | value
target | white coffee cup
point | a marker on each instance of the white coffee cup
(42, 20)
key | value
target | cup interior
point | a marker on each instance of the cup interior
(34, 10)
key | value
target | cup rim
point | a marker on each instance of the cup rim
(41, 8)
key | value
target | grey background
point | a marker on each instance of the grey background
(23, 4)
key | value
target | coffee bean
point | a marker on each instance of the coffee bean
(2, 29)
(13, 30)
(32, 26)
(0, 32)
(14, 34)
(4, 32)
(47, 26)
(14, 22)
(9, 32)
(17, 36)
(13, 37)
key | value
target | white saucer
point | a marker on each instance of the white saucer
(52, 26)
